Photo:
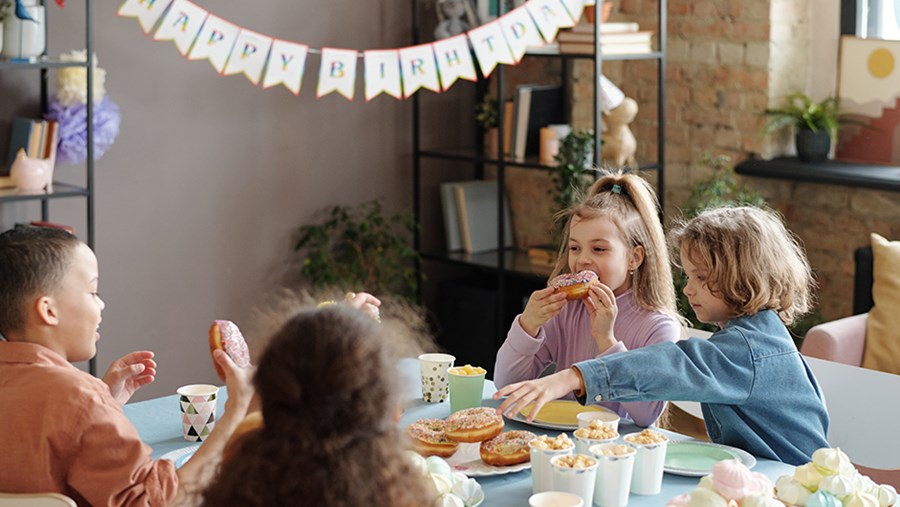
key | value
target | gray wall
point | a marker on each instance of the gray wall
(199, 197)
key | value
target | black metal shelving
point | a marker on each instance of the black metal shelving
(61, 190)
(511, 266)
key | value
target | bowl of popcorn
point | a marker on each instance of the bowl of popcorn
(450, 488)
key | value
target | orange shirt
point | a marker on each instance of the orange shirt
(61, 431)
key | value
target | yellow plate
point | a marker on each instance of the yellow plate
(561, 412)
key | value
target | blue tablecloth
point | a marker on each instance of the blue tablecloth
(159, 424)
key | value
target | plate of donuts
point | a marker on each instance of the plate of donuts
(559, 415)
(467, 459)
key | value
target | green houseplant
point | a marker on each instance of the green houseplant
(573, 170)
(360, 248)
(815, 123)
(487, 115)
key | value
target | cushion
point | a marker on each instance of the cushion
(883, 326)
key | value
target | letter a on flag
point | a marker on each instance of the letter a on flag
(575, 8)
(419, 69)
(382, 73)
(490, 47)
(287, 60)
(147, 12)
(549, 16)
(181, 24)
(215, 42)
(454, 60)
(338, 72)
(520, 32)
(251, 50)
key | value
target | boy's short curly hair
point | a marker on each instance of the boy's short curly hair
(33, 260)
(754, 261)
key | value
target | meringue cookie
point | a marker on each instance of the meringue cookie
(706, 498)
(418, 462)
(822, 499)
(437, 465)
(861, 500)
(838, 485)
(809, 476)
(886, 495)
(760, 485)
(731, 479)
(791, 492)
(832, 461)
(679, 501)
(756, 500)
(449, 500)
(468, 490)
(706, 482)
(441, 484)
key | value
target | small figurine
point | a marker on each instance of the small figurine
(619, 143)
(31, 173)
(452, 14)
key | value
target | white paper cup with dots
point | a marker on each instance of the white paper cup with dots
(434, 376)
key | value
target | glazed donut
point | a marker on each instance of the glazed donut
(225, 335)
(474, 424)
(575, 285)
(429, 439)
(507, 448)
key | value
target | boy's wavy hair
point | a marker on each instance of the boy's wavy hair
(630, 202)
(754, 262)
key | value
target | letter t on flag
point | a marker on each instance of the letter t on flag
(454, 60)
(382, 72)
(337, 72)
(490, 47)
(147, 12)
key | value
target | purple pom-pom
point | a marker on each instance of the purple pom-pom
(72, 147)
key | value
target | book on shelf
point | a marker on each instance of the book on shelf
(19, 137)
(476, 203)
(451, 216)
(606, 38)
(37, 137)
(536, 106)
(542, 255)
(587, 48)
(619, 27)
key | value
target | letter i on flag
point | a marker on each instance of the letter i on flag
(549, 16)
(454, 60)
(382, 73)
(147, 12)
(520, 32)
(251, 50)
(181, 24)
(287, 60)
(419, 69)
(490, 47)
(337, 72)
(215, 42)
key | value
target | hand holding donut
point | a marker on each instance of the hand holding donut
(542, 306)
(602, 309)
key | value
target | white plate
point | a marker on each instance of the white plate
(707, 453)
(467, 459)
(180, 456)
(566, 406)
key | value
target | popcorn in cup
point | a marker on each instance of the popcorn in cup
(597, 433)
(555, 499)
(650, 448)
(615, 464)
(608, 417)
(543, 449)
(575, 473)
(466, 386)
(434, 376)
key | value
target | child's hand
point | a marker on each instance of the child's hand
(601, 306)
(538, 391)
(365, 302)
(542, 306)
(237, 381)
(129, 373)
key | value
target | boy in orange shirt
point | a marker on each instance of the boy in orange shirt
(63, 430)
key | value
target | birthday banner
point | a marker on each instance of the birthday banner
(399, 73)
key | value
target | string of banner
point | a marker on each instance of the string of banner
(400, 73)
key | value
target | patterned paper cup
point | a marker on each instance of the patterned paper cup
(198, 410)
(434, 376)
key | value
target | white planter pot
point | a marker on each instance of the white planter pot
(24, 38)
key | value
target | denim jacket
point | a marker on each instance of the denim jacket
(756, 391)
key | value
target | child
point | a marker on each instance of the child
(614, 232)
(329, 390)
(63, 430)
(747, 274)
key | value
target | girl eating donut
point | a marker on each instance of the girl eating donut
(615, 234)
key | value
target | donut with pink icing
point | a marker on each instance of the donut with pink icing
(474, 424)
(226, 336)
(429, 439)
(575, 285)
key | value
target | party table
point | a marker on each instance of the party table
(159, 424)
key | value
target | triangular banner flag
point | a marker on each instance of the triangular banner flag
(287, 60)
(490, 47)
(337, 72)
(147, 12)
(181, 24)
(419, 69)
(454, 60)
(215, 42)
(520, 32)
(549, 16)
(575, 8)
(382, 73)
(251, 50)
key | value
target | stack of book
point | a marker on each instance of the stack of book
(37, 137)
(470, 216)
(615, 39)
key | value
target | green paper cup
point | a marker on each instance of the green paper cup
(465, 390)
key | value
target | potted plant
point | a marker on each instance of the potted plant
(487, 115)
(574, 167)
(815, 124)
(359, 248)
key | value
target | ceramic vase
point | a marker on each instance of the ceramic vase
(31, 173)
(813, 146)
(22, 38)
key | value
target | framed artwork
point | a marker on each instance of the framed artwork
(869, 92)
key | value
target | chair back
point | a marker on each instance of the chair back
(35, 500)
(863, 277)
(862, 412)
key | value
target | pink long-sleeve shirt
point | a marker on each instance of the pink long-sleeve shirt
(566, 339)
(62, 432)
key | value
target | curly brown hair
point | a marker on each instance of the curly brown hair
(328, 389)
